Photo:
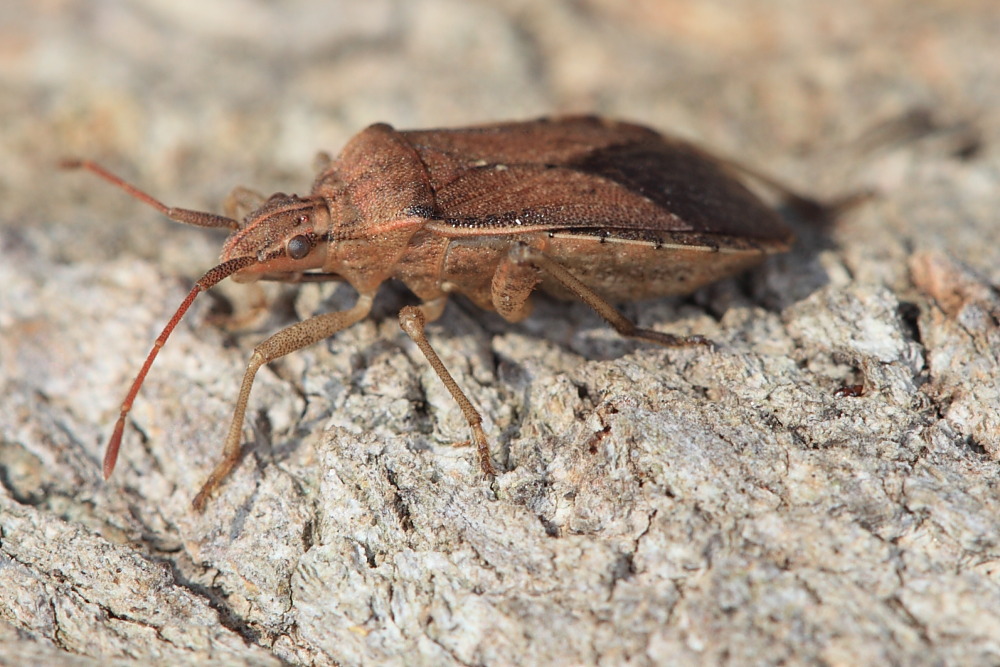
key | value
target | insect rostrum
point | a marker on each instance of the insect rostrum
(585, 207)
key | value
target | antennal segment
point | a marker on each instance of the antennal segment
(184, 215)
(213, 276)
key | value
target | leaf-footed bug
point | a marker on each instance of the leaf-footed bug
(578, 206)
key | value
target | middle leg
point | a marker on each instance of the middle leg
(412, 320)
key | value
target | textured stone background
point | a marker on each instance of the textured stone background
(658, 506)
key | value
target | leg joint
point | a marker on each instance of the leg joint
(411, 320)
(521, 253)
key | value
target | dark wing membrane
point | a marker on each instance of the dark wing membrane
(585, 173)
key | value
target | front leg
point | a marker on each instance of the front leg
(241, 202)
(295, 337)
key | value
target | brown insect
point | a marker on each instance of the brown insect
(597, 209)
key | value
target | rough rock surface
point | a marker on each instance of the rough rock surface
(822, 488)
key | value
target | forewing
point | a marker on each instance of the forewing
(587, 175)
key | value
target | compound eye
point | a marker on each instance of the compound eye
(298, 247)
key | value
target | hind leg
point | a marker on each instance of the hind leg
(524, 268)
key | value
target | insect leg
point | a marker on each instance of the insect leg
(295, 337)
(412, 320)
(511, 287)
(523, 254)
(241, 202)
